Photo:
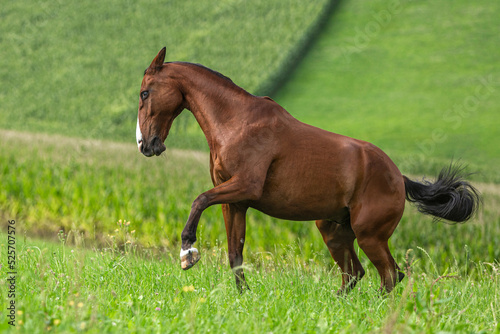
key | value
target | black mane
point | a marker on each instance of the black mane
(220, 75)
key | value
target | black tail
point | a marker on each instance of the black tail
(450, 197)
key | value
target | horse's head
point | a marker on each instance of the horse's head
(160, 103)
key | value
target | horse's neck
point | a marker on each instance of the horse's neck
(215, 103)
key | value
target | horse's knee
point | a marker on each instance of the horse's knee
(200, 203)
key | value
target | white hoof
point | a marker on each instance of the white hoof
(189, 257)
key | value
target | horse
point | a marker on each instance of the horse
(261, 157)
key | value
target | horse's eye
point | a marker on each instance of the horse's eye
(144, 95)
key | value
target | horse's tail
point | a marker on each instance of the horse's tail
(450, 197)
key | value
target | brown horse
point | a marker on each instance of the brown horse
(261, 157)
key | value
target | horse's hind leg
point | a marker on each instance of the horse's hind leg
(373, 229)
(339, 238)
(379, 254)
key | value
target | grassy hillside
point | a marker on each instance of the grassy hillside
(75, 68)
(420, 79)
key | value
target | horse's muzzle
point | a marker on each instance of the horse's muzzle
(155, 147)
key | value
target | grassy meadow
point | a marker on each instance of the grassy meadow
(419, 79)
(67, 289)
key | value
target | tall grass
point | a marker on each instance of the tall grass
(68, 289)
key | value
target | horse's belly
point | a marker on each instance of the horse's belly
(306, 195)
(301, 213)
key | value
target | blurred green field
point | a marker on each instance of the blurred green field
(420, 79)
(75, 68)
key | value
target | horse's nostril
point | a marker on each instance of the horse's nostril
(157, 146)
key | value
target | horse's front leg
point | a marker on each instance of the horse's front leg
(232, 191)
(235, 220)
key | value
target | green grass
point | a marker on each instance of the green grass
(73, 289)
(75, 68)
(420, 80)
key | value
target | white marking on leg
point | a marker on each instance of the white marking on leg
(138, 135)
(187, 251)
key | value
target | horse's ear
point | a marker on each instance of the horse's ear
(157, 63)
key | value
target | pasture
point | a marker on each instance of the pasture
(67, 289)
(421, 82)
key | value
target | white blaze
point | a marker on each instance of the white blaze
(138, 135)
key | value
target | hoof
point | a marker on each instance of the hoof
(189, 257)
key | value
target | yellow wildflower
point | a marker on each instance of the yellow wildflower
(188, 288)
